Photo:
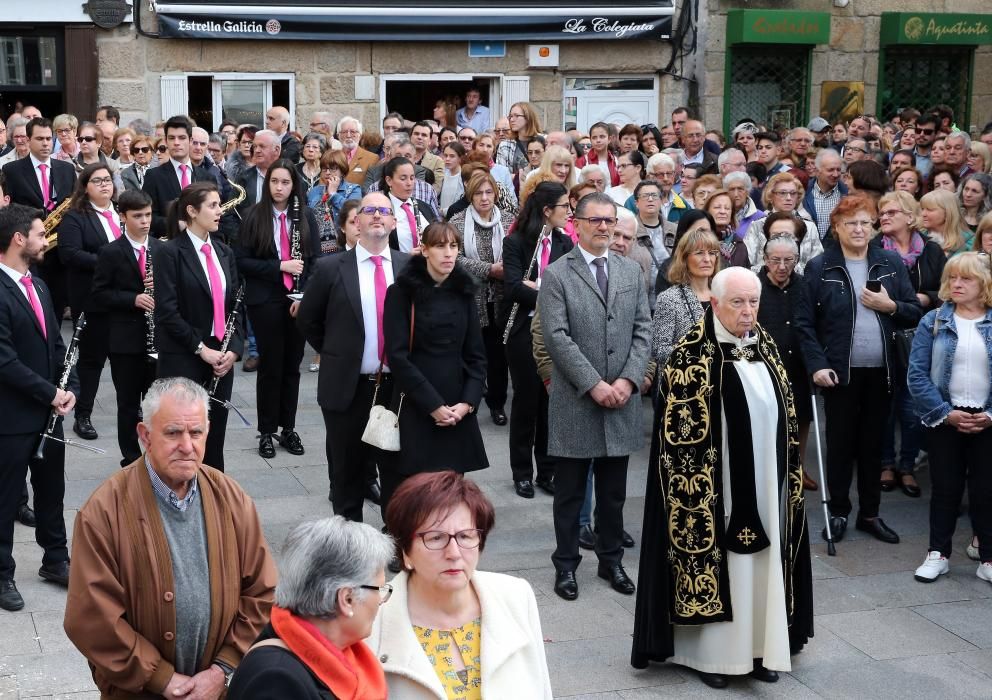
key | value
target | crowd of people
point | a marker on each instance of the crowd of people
(433, 266)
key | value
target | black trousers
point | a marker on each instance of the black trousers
(956, 460)
(48, 483)
(192, 367)
(528, 411)
(610, 482)
(347, 455)
(132, 375)
(855, 415)
(280, 349)
(496, 378)
(93, 350)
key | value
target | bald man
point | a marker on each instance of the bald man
(277, 120)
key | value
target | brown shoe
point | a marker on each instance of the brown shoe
(250, 364)
(809, 484)
(888, 478)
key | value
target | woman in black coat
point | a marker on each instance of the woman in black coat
(440, 372)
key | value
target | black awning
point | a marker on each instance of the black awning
(394, 20)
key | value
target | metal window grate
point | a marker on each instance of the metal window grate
(924, 76)
(769, 86)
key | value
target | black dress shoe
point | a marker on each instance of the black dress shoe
(84, 428)
(373, 492)
(25, 516)
(266, 449)
(763, 674)
(565, 585)
(627, 541)
(713, 680)
(546, 485)
(250, 364)
(587, 538)
(524, 489)
(877, 529)
(56, 573)
(10, 599)
(499, 416)
(290, 441)
(838, 526)
(911, 490)
(618, 578)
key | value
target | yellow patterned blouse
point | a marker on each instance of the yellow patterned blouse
(437, 645)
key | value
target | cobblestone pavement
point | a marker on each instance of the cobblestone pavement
(879, 633)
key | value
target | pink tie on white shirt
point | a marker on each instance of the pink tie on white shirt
(35, 304)
(380, 302)
(287, 279)
(141, 261)
(216, 291)
(44, 185)
(184, 178)
(412, 222)
(114, 228)
(545, 255)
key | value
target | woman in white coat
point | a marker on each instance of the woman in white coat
(449, 631)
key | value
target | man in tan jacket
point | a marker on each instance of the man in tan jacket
(171, 577)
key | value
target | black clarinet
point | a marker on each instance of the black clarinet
(225, 343)
(71, 357)
(295, 249)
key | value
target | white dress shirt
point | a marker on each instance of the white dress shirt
(197, 244)
(37, 173)
(107, 231)
(136, 249)
(366, 285)
(403, 234)
(589, 257)
(179, 173)
(16, 276)
(276, 229)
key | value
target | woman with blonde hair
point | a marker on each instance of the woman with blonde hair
(784, 192)
(557, 165)
(942, 219)
(524, 125)
(980, 157)
(983, 236)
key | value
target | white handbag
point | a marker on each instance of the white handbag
(383, 428)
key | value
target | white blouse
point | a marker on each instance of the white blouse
(969, 385)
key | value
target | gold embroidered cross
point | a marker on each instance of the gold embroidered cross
(746, 536)
(743, 353)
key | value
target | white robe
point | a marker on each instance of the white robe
(760, 628)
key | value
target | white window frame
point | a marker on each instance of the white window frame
(495, 86)
(266, 77)
(566, 93)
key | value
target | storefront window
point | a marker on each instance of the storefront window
(209, 99)
(769, 85)
(29, 61)
(924, 76)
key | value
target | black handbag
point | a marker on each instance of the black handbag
(902, 339)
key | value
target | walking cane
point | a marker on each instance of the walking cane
(831, 550)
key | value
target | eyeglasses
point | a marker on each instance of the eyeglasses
(889, 212)
(60, 132)
(98, 181)
(436, 540)
(855, 225)
(502, 131)
(927, 132)
(781, 262)
(598, 221)
(626, 165)
(87, 139)
(790, 194)
(566, 205)
(372, 211)
(856, 149)
(141, 149)
(649, 196)
(384, 591)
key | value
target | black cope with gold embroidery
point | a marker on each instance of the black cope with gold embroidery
(691, 473)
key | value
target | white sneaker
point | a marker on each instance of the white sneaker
(984, 571)
(934, 565)
(972, 551)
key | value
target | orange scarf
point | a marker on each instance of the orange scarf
(350, 674)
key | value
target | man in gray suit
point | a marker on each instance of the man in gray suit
(594, 414)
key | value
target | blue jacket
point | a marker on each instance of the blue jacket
(826, 310)
(932, 358)
(810, 205)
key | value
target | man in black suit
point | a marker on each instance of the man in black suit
(277, 119)
(186, 333)
(31, 355)
(170, 178)
(24, 185)
(338, 316)
(123, 287)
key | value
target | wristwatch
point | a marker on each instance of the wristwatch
(227, 671)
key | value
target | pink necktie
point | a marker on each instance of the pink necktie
(44, 184)
(287, 279)
(114, 228)
(412, 222)
(380, 302)
(216, 291)
(545, 255)
(141, 261)
(35, 304)
(184, 179)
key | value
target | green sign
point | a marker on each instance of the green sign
(777, 27)
(921, 28)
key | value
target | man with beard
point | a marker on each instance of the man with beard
(359, 160)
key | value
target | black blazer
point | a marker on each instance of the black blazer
(516, 259)
(424, 209)
(30, 364)
(23, 187)
(183, 308)
(249, 180)
(330, 318)
(116, 283)
(263, 280)
(162, 185)
(81, 236)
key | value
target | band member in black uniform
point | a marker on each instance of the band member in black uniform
(31, 356)
(172, 176)
(89, 225)
(196, 282)
(279, 245)
(123, 286)
(537, 241)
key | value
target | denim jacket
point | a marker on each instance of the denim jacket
(932, 358)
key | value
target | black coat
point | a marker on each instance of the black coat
(162, 185)
(81, 236)
(517, 256)
(777, 315)
(446, 366)
(926, 272)
(116, 283)
(23, 186)
(274, 672)
(263, 280)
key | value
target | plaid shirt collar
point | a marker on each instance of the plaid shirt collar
(167, 494)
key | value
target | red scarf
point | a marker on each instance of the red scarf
(350, 674)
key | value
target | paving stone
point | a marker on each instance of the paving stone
(939, 676)
(891, 634)
(271, 483)
(50, 632)
(971, 620)
(601, 664)
(19, 636)
(978, 660)
(785, 687)
(44, 674)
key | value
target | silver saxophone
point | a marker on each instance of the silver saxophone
(516, 305)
